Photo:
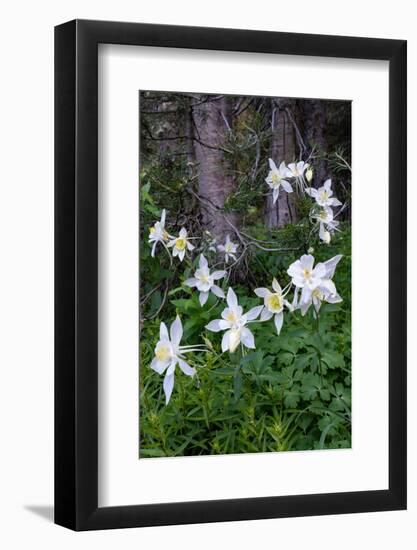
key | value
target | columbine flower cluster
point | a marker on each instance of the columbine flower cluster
(278, 177)
(323, 211)
(180, 244)
(301, 173)
(313, 285)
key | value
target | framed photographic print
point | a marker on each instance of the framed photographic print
(230, 275)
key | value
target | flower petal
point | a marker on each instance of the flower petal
(163, 332)
(217, 291)
(231, 298)
(176, 331)
(203, 262)
(331, 265)
(328, 286)
(307, 261)
(275, 195)
(203, 298)
(305, 295)
(327, 184)
(185, 367)
(334, 298)
(282, 168)
(287, 186)
(320, 271)
(278, 320)
(276, 286)
(295, 269)
(304, 307)
(163, 215)
(159, 366)
(168, 387)
(254, 312)
(234, 339)
(335, 202)
(262, 292)
(213, 326)
(192, 281)
(311, 192)
(247, 338)
(272, 165)
(225, 341)
(218, 275)
(266, 314)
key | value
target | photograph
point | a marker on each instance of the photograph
(245, 274)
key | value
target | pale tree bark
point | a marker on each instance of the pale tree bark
(283, 148)
(212, 122)
(314, 135)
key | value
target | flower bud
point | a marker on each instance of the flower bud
(309, 174)
(326, 237)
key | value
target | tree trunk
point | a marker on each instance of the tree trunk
(314, 128)
(283, 148)
(212, 120)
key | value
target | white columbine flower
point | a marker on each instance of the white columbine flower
(229, 248)
(234, 322)
(180, 244)
(169, 354)
(304, 276)
(276, 178)
(204, 281)
(323, 195)
(324, 292)
(157, 233)
(327, 223)
(273, 304)
(297, 169)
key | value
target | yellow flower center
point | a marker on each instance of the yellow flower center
(152, 230)
(274, 302)
(324, 195)
(317, 293)
(231, 316)
(275, 178)
(323, 215)
(165, 235)
(307, 273)
(229, 247)
(163, 353)
(180, 243)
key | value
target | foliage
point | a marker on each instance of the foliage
(292, 393)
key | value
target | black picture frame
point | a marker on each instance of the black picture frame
(76, 272)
